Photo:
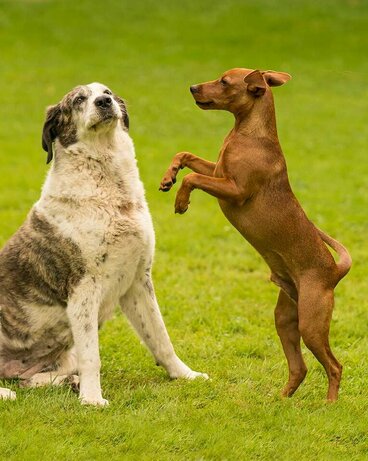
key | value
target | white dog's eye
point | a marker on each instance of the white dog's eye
(80, 99)
(107, 92)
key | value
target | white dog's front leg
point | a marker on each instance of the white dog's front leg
(140, 306)
(82, 311)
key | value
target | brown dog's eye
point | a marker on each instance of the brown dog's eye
(223, 82)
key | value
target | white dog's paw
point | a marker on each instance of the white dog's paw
(96, 402)
(178, 369)
(7, 394)
(195, 374)
(187, 373)
(73, 382)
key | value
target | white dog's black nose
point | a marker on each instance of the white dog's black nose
(103, 101)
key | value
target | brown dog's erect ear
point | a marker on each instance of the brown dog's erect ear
(276, 78)
(50, 130)
(256, 83)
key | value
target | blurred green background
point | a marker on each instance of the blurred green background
(212, 287)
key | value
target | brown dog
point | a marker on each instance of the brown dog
(251, 183)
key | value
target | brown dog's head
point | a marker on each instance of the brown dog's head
(236, 89)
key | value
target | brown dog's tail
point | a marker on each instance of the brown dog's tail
(345, 261)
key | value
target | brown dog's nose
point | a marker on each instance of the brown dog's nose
(194, 89)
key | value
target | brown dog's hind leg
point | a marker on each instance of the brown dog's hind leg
(286, 320)
(315, 310)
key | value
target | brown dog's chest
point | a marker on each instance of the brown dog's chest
(270, 219)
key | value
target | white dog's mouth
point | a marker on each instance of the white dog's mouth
(108, 116)
(103, 119)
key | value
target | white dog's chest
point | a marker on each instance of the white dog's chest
(116, 239)
(106, 229)
(117, 245)
(94, 197)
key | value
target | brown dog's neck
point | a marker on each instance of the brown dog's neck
(259, 120)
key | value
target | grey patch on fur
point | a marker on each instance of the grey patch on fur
(126, 208)
(67, 130)
(100, 259)
(59, 120)
(43, 353)
(148, 284)
(37, 267)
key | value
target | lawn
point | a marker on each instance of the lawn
(212, 287)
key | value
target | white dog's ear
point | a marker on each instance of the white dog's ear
(50, 130)
(126, 120)
(123, 109)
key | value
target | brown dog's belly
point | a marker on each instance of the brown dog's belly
(285, 238)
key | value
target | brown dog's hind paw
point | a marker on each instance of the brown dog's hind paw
(287, 392)
(290, 388)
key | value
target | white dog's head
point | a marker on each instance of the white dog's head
(84, 111)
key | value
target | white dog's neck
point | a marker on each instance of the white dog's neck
(85, 168)
(103, 145)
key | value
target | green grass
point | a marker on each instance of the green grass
(212, 287)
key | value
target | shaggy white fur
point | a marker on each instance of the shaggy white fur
(93, 197)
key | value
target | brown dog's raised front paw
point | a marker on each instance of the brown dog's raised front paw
(180, 209)
(167, 182)
(183, 195)
(181, 202)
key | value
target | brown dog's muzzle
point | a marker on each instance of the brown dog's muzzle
(201, 100)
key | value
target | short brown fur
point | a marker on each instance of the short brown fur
(251, 184)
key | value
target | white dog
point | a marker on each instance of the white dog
(86, 246)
